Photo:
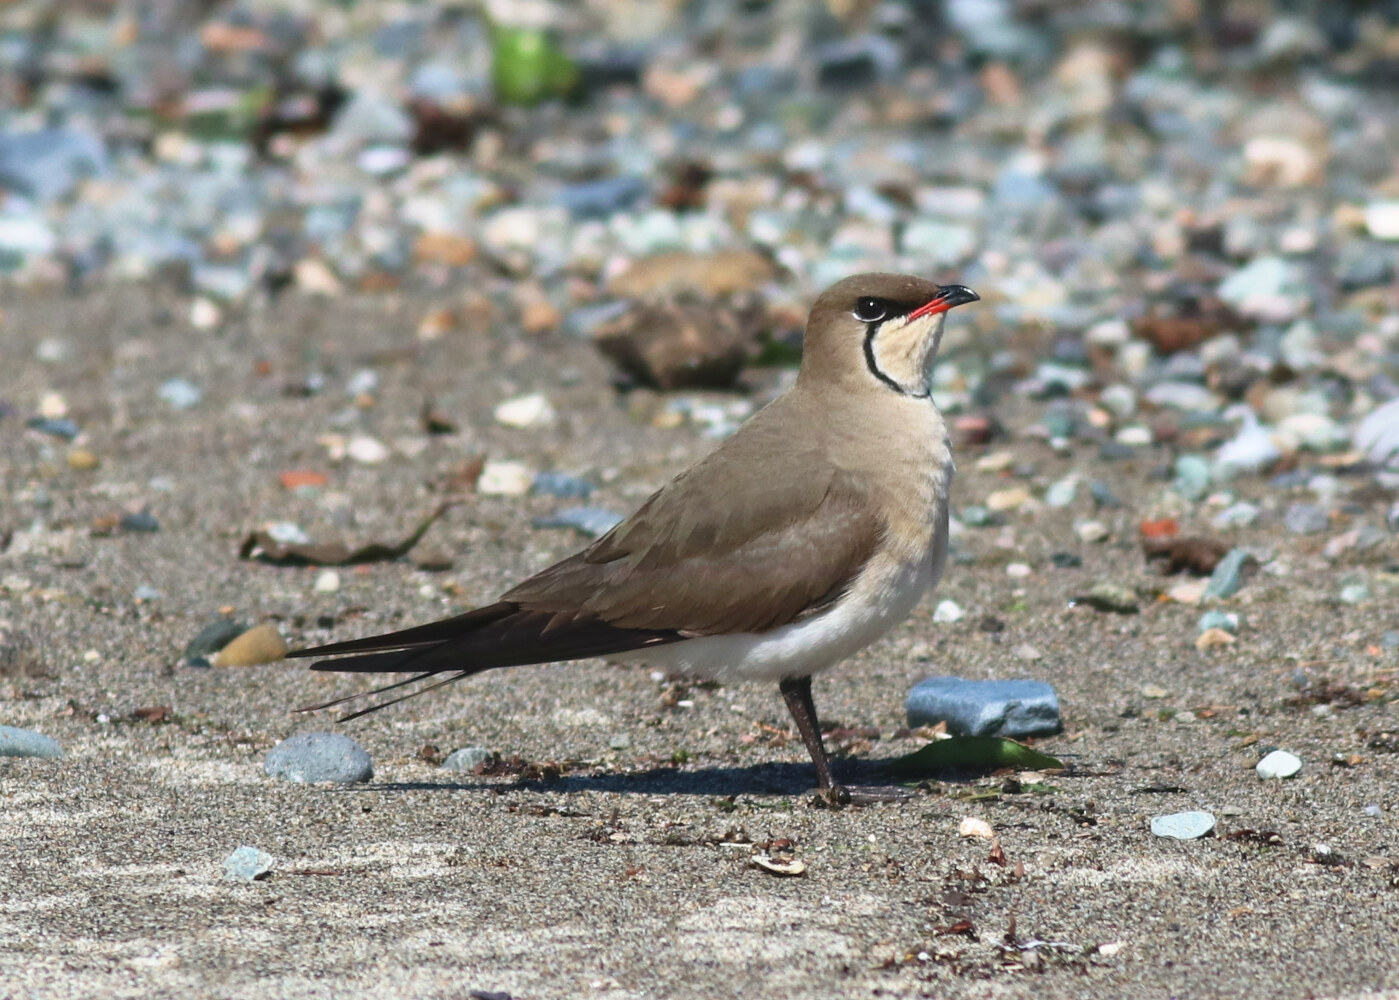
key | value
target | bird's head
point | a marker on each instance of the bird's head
(880, 330)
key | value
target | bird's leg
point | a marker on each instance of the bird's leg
(796, 692)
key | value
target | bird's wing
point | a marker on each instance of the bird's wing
(699, 558)
(717, 550)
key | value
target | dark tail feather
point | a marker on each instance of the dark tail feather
(411, 694)
(419, 635)
(498, 635)
(365, 694)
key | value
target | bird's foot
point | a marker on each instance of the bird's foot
(840, 796)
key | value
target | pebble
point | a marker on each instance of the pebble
(561, 485)
(984, 708)
(1378, 434)
(59, 428)
(1092, 531)
(1354, 593)
(1306, 519)
(83, 460)
(1382, 219)
(247, 864)
(327, 582)
(16, 742)
(1009, 499)
(1227, 577)
(973, 828)
(260, 644)
(367, 450)
(506, 479)
(1106, 596)
(591, 521)
(179, 394)
(1226, 620)
(1278, 764)
(947, 612)
(1237, 515)
(212, 638)
(139, 522)
(466, 759)
(1213, 638)
(1192, 476)
(1183, 825)
(316, 757)
(1061, 493)
(533, 410)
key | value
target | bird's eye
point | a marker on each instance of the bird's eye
(869, 310)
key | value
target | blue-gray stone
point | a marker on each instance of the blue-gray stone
(1192, 479)
(1306, 519)
(977, 516)
(561, 484)
(1183, 825)
(141, 521)
(591, 521)
(1226, 620)
(602, 198)
(63, 428)
(180, 394)
(247, 864)
(1103, 495)
(985, 708)
(467, 759)
(1227, 577)
(47, 164)
(313, 757)
(16, 742)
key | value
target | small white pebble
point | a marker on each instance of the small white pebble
(947, 612)
(328, 582)
(533, 410)
(52, 406)
(973, 827)
(1018, 570)
(1278, 764)
(204, 315)
(367, 450)
(1092, 531)
(91, 656)
(506, 479)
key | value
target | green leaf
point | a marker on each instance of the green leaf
(971, 753)
(527, 67)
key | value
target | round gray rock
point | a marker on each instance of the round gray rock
(16, 742)
(316, 757)
(467, 759)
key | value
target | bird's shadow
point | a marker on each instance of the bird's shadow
(715, 782)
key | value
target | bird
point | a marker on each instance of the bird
(802, 538)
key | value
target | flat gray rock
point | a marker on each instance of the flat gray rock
(1183, 825)
(985, 708)
(16, 742)
(247, 864)
(316, 757)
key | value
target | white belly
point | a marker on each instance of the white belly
(880, 599)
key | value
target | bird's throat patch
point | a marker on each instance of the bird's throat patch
(899, 352)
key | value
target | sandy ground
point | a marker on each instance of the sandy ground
(630, 875)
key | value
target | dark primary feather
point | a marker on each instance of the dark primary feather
(696, 559)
